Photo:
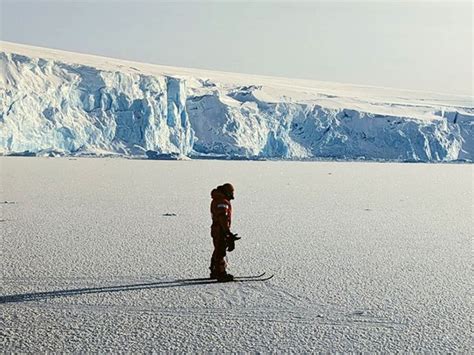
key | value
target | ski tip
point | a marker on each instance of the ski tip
(251, 276)
(250, 279)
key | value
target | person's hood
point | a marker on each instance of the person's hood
(217, 194)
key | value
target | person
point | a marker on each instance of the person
(223, 239)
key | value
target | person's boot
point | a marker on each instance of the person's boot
(217, 270)
(225, 277)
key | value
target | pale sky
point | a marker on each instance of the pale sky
(418, 45)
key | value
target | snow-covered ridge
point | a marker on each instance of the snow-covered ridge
(55, 101)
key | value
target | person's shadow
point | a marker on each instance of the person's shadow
(35, 296)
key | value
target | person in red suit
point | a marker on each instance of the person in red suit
(222, 238)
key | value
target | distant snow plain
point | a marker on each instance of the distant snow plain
(367, 256)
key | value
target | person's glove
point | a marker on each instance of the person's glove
(230, 241)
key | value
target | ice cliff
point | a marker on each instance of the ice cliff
(54, 102)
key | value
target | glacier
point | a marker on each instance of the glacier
(61, 103)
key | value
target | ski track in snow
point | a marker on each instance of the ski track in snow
(366, 256)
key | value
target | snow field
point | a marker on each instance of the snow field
(366, 256)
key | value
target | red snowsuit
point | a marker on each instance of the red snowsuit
(221, 211)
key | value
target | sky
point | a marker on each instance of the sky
(416, 45)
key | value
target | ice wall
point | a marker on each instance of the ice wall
(55, 106)
(71, 108)
(298, 131)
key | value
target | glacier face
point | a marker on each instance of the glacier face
(55, 105)
(72, 108)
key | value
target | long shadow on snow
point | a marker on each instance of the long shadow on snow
(24, 297)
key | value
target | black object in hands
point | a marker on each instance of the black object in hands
(230, 241)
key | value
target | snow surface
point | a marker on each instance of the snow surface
(366, 256)
(56, 102)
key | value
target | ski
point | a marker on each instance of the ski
(209, 279)
(203, 281)
(249, 279)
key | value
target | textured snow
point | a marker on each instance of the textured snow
(55, 102)
(366, 256)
